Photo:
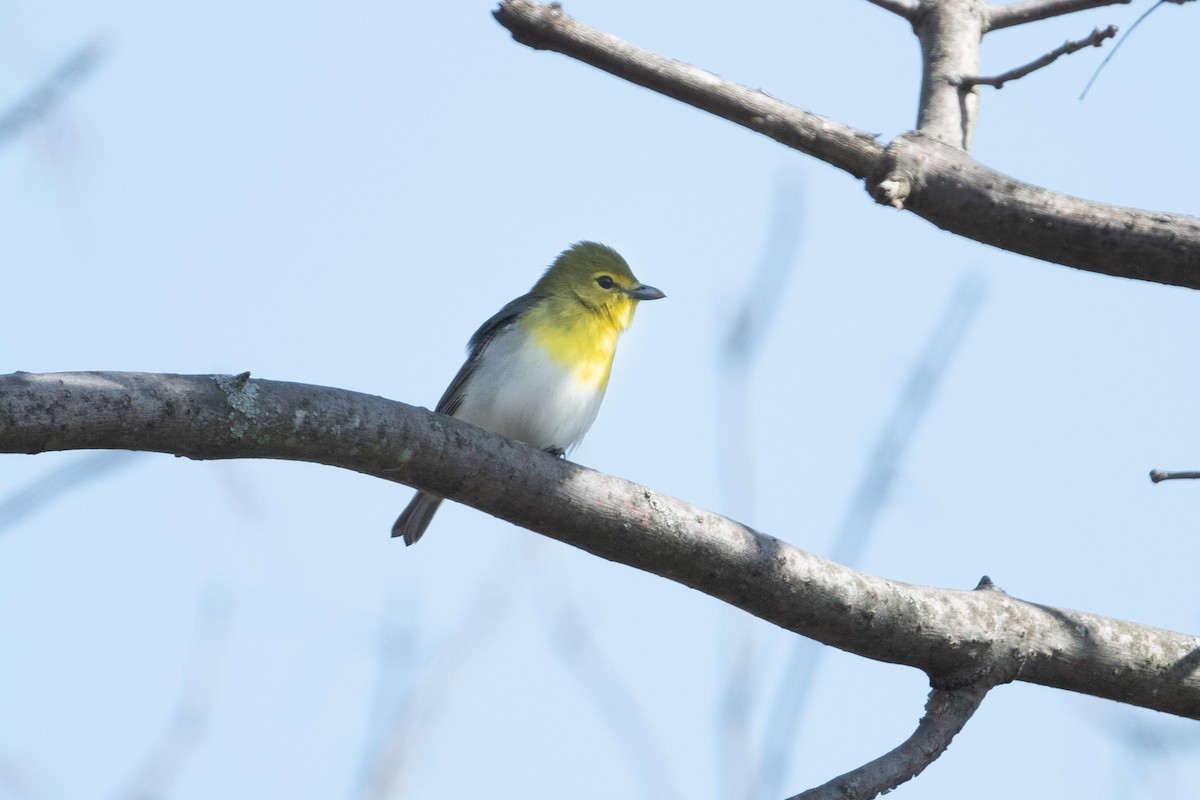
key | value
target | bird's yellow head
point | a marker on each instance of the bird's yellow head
(597, 281)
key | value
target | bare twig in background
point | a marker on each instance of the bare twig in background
(1151, 753)
(187, 725)
(946, 712)
(870, 497)
(18, 782)
(748, 327)
(1096, 39)
(57, 482)
(749, 323)
(875, 488)
(1120, 42)
(43, 98)
(389, 754)
(600, 681)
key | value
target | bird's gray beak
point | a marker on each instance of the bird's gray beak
(644, 292)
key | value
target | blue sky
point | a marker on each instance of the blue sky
(340, 193)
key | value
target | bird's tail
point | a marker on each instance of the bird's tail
(415, 518)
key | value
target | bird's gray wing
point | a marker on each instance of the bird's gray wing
(506, 316)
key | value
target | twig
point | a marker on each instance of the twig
(946, 712)
(547, 27)
(1033, 10)
(41, 99)
(183, 732)
(870, 498)
(1160, 475)
(411, 718)
(903, 8)
(1096, 38)
(1120, 42)
(613, 697)
(748, 326)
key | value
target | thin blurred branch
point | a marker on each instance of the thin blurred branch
(871, 496)
(44, 97)
(600, 681)
(1151, 752)
(874, 489)
(411, 718)
(749, 323)
(1092, 80)
(51, 487)
(17, 783)
(186, 726)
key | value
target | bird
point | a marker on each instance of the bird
(537, 370)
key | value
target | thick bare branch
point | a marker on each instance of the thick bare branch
(1005, 16)
(941, 184)
(956, 637)
(960, 195)
(946, 712)
(546, 27)
(950, 32)
(1096, 38)
(903, 8)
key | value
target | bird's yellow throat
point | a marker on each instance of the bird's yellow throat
(583, 340)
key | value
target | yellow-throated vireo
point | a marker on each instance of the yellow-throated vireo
(537, 370)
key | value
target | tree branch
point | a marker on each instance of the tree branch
(1160, 475)
(956, 637)
(547, 27)
(950, 32)
(946, 712)
(960, 195)
(1096, 38)
(903, 8)
(939, 183)
(1010, 14)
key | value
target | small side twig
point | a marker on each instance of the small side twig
(903, 8)
(1160, 475)
(1096, 38)
(946, 712)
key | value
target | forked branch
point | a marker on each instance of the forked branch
(955, 637)
(946, 712)
(937, 182)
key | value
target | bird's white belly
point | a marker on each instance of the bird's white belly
(523, 393)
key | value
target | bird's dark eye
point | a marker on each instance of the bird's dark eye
(605, 282)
